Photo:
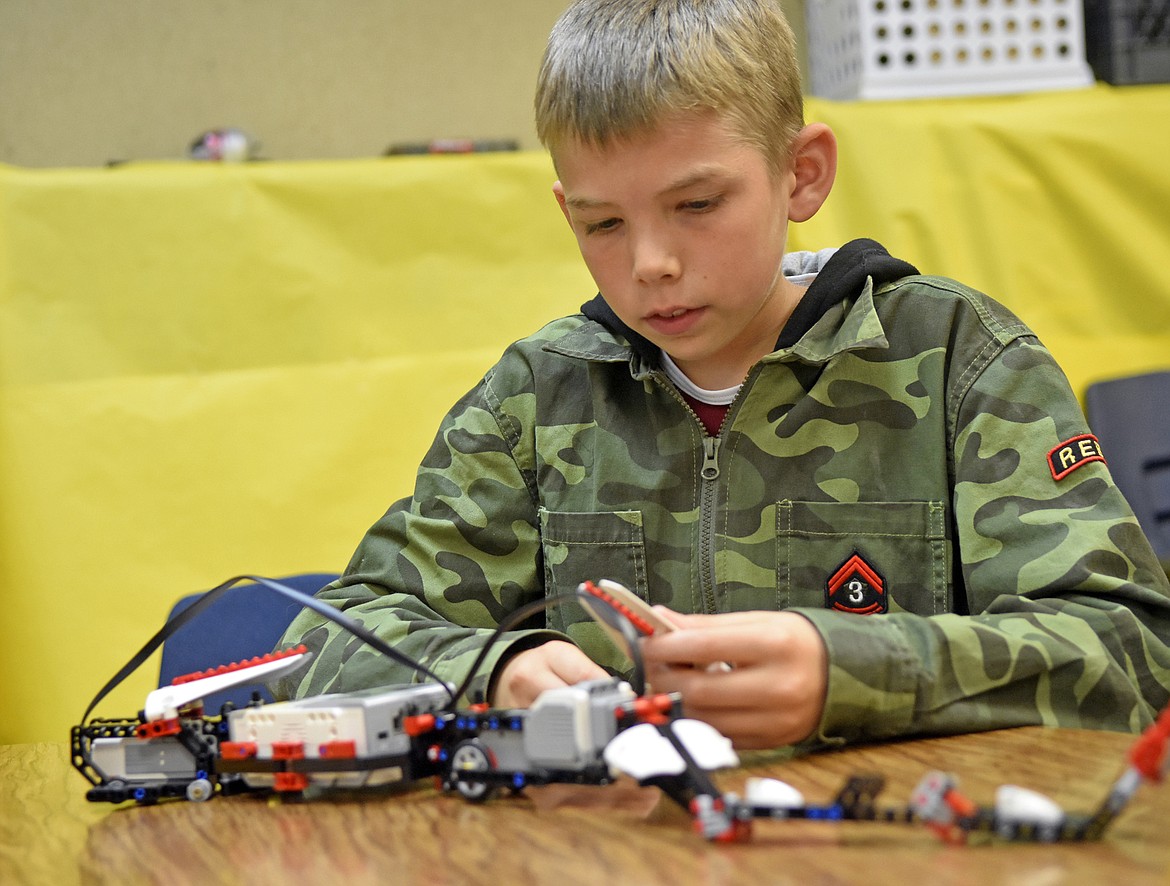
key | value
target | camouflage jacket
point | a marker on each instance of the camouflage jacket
(908, 469)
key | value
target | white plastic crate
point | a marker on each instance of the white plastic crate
(884, 49)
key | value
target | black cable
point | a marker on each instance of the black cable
(629, 633)
(330, 612)
(510, 621)
(634, 649)
(355, 627)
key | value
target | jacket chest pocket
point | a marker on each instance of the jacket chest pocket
(581, 547)
(863, 557)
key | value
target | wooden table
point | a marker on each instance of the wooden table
(50, 834)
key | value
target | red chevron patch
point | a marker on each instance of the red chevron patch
(857, 587)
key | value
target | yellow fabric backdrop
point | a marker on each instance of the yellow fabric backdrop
(208, 370)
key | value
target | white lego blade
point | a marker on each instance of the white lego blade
(166, 701)
(643, 752)
(773, 793)
(1022, 805)
(708, 747)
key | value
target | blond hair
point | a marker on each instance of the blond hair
(614, 68)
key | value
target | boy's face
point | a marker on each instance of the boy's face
(683, 229)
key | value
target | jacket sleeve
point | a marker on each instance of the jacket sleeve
(437, 573)
(1069, 609)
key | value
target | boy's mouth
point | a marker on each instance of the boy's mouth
(674, 321)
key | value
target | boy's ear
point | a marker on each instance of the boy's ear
(814, 168)
(559, 193)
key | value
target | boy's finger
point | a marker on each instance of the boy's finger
(737, 644)
(706, 620)
(572, 665)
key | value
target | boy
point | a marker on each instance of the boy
(870, 492)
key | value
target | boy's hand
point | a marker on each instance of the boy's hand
(529, 673)
(774, 693)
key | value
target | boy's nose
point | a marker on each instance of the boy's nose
(654, 259)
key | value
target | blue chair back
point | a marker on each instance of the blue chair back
(1131, 418)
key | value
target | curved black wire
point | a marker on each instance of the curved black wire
(330, 612)
(629, 633)
(509, 622)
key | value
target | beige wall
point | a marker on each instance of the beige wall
(84, 83)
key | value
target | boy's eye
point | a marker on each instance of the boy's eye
(600, 227)
(705, 204)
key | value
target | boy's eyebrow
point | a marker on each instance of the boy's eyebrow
(699, 176)
(584, 202)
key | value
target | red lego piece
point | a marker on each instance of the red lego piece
(1148, 754)
(418, 724)
(653, 709)
(338, 750)
(644, 627)
(960, 804)
(239, 665)
(290, 782)
(237, 750)
(288, 750)
(963, 807)
(159, 728)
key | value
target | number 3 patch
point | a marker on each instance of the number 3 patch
(1071, 454)
(856, 587)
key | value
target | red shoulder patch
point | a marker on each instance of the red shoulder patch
(1072, 454)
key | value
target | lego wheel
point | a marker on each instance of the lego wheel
(471, 756)
(199, 790)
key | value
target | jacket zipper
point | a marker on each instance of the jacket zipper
(708, 474)
(710, 469)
